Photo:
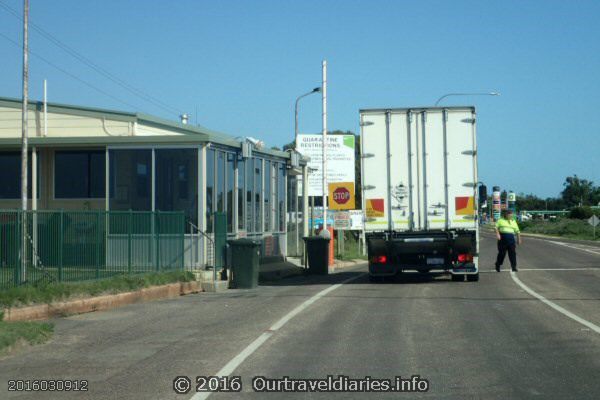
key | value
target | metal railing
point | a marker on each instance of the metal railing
(68, 246)
(210, 248)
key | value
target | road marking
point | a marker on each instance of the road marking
(559, 269)
(545, 269)
(252, 347)
(558, 308)
(575, 247)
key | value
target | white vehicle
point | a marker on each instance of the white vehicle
(419, 190)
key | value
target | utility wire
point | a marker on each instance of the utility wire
(69, 73)
(91, 64)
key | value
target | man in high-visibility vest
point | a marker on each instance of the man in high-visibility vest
(508, 235)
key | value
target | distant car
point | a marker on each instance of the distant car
(526, 217)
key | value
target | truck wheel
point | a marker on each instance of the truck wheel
(458, 278)
(473, 278)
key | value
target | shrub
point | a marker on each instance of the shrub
(581, 213)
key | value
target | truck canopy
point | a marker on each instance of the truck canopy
(419, 169)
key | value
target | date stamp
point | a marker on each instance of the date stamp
(183, 384)
(48, 385)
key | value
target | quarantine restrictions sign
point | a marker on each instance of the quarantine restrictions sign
(340, 160)
(341, 196)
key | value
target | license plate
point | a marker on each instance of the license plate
(435, 261)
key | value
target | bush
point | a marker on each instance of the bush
(581, 213)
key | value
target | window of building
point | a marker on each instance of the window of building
(241, 174)
(250, 194)
(220, 181)
(10, 175)
(177, 182)
(130, 179)
(79, 174)
(258, 187)
(267, 195)
(230, 180)
(281, 196)
(210, 188)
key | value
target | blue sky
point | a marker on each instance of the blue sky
(241, 64)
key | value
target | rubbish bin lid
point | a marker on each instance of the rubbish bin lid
(243, 242)
(314, 238)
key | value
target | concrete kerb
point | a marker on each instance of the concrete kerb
(342, 264)
(99, 303)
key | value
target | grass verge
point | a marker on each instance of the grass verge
(565, 227)
(47, 293)
(13, 334)
(351, 249)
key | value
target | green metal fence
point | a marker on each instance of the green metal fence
(68, 246)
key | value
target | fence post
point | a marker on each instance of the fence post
(98, 239)
(61, 245)
(19, 247)
(183, 242)
(157, 239)
(129, 242)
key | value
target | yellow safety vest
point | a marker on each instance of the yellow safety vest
(507, 226)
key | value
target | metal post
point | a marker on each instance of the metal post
(305, 228)
(156, 240)
(61, 245)
(130, 221)
(24, 134)
(45, 108)
(98, 240)
(34, 192)
(324, 92)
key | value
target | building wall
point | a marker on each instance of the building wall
(60, 125)
(66, 125)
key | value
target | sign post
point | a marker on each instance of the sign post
(594, 221)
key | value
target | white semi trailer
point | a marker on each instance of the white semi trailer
(419, 190)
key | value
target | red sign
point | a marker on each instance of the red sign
(341, 195)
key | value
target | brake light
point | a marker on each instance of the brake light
(379, 259)
(463, 258)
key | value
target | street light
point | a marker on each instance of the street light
(315, 90)
(466, 94)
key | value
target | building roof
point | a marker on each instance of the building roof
(190, 133)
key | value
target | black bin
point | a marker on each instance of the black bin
(317, 249)
(244, 262)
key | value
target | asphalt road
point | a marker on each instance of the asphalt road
(490, 339)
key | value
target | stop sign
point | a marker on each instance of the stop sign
(341, 195)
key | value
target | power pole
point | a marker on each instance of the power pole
(324, 165)
(24, 134)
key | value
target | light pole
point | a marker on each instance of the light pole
(315, 90)
(467, 94)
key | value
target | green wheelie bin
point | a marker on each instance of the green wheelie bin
(244, 262)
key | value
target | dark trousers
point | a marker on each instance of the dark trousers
(507, 245)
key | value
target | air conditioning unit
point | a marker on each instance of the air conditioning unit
(247, 149)
(294, 159)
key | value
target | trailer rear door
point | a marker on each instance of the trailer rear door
(422, 162)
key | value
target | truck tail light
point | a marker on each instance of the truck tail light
(463, 258)
(379, 259)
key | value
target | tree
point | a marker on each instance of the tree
(578, 192)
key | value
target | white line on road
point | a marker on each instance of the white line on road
(558, 308)
(559, 269)
(575, 247)
(252, 347)
(545, 269)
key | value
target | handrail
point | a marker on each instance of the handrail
(212, 242)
